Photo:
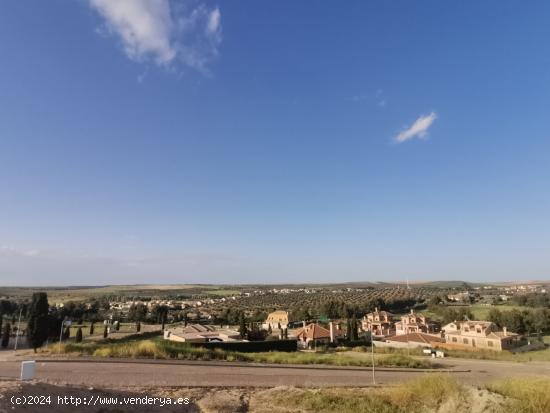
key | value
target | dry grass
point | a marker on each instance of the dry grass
(162, 349)
(427, 394)
(525, 395)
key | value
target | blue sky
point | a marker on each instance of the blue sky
(147, 141)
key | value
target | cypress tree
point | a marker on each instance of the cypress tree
(242, 326)
(138, 326)
(353, 327)
(78, 337)
(92, 328)
(37, 326)
(105, 332)
(6, 335)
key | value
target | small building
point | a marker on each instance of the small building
(459, 297)
(277, 320)
(378, 323)
(479, 335)
(314, 334)
(414, 323)
(197, 333)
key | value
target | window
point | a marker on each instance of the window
(466, 329)
(465, 341)
(454, 340)
(489, 343)
(478, 330)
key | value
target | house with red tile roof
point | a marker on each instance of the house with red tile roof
(314, 334)
(379, 323)
(485, 335)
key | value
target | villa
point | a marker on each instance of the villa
(479, 335)
(277, 320)
(379, 323)
(414, 323)
(314, 334)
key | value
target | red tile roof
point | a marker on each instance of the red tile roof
(416, 338)
(314, 331)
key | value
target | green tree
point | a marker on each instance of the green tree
(6, 335)
(105, 332)
(92, 328)
(354, 333)
(78, 337)
(37, 326)
(138, 326)
(137, 312)
(242, 326)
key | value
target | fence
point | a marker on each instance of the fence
(251, 346)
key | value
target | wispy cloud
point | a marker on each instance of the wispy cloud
(8, 250)
(163, 32)
(418, 129)
(378, 97)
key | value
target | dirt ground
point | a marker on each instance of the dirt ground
(200, 400)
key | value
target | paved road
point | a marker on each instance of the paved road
(150, 373)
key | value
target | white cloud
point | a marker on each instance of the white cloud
(418, 129)
(168, 34)
(7, 250)
(214, 20)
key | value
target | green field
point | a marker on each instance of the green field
(481, 311)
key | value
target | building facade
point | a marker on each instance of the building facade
(483, 335)
(378, 323)
(198, 333)
(277, 320)
(415, 323)
(315, 334)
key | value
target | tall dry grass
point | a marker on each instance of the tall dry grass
(524, 395)
(163, 349)
(422, 395)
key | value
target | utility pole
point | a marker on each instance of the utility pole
(18, 329)
(63, 323)
(372, 355)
